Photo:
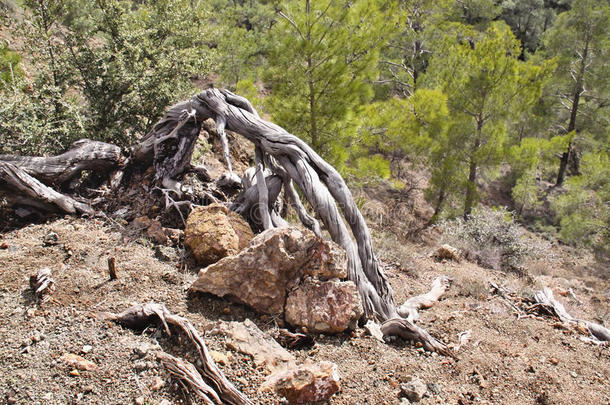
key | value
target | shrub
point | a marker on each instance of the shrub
(490, 237)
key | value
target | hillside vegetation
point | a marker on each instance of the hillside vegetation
(471, 145)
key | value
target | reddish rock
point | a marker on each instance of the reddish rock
(306, 383)
(153, 229)
(76, 361)
(275, 262)
(213, 232)
(324, 306)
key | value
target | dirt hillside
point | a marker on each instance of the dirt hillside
(507, 360)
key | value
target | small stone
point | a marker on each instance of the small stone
(78, 362)
(554, 361)
(413, 390)
(86, 349)
(226, 310)
(139, 401)
(142, 349)
(219, 357)
(165, 253)
(573, 374)
(3, 245)
(74, 373)
(30, 313)
(306, 383)
(157, 383)
(51, 239)
(433, 388)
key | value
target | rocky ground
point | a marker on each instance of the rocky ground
(506, 360)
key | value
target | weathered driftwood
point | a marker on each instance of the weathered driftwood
(20, 189)
(32, 181)
(188, 375)
(412, 305)
(546, 299)
(83, 155)
(208, 381)
(410, 332)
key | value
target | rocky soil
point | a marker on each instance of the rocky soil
(506, 360)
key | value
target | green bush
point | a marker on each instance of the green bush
(106, 70)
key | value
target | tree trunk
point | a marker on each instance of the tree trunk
(568, 155)
(471, 186)
(169, 147)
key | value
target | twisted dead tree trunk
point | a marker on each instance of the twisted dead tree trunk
(169, 145)
(292, 159)
(31, 181)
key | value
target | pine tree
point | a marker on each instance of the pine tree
(580, 42)
(324, 58)
(486, 86)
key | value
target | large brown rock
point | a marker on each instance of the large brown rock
(275, 261)
(213, 232)
(324, 306)
(306, 383)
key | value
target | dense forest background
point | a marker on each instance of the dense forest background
(469, 92)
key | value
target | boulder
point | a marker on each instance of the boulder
(245, 337)
(324, 306)
(274, 262)
(306, 383)
(213, 232)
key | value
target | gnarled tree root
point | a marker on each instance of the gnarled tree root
(547, 302)
(209, 381)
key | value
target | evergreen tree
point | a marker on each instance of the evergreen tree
(486, 86)
(405, 57)
(324, 58)
(580, 42)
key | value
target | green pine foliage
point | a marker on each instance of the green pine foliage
(324, 58)
(583, 209)
(486, 85)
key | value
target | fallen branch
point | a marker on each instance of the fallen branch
(187, 373)
(210, 376)
(408, 331)
(547, 302)
(412, 305)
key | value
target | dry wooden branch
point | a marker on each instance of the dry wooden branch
(412, 305)
(546, 300)
(408, 331)
(19, 188)
(112, 268)
(169, 146)
(138, 316)
(293, 340)
(83, 155)
(187, 373)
